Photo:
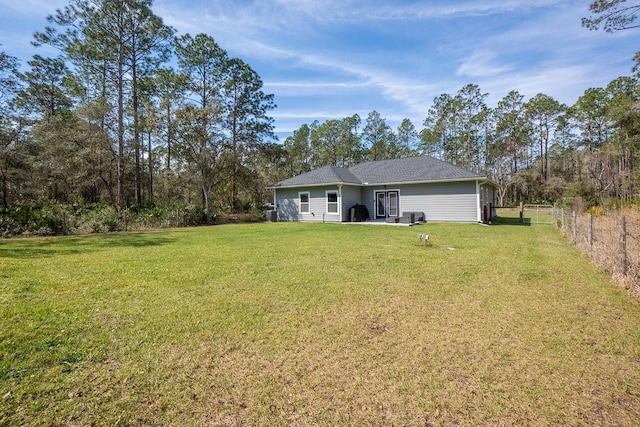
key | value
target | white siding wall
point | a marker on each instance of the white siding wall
(287, 207)
(350, 196)
(288, 204)
(454, 202)
(367, 199)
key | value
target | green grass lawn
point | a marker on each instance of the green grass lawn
(315, 324)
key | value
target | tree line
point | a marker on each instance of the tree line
(110, 122)
(133, 117)
(535, 150)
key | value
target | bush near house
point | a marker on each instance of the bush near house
(63, 219)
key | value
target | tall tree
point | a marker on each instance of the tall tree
(113, 41)
(326, 141)
(379, 137)
(13, 149)
(336, 142)
(407, 138)
(148, 47)
(614, 15)
(45, 93)
(594, 128)
(268, 168)
(166, 97)
(298, 151)
(73, 159)
(94, 40)
(170, 88)
(351, 147)
(455, 127)
(246, 121)
(624, 147)
(198, 141)
(471, 113)
(511, 139)
(199, 124)
(590, 112)
(543, 112)
(437, 137)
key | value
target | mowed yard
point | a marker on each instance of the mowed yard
(315, 324)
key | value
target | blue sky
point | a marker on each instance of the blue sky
(325, 59)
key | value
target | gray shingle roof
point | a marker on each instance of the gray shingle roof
(410, 169)
(323, 175)
(404, 170)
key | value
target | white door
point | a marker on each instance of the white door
(387, 204)
(381, 204)
(392, 200)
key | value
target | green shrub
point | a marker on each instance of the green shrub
(101, 218)
(55, 218)
(49, 219)
(584, 190)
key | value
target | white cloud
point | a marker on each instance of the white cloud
(334, 58)
(313, 114)
(482, 63)
(37, 9)
(362, 11)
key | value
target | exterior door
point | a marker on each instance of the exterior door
(392, 203)
(381, 205)
(387, 204)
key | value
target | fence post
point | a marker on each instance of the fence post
(590, 234)
(521, 212)
(621, 267)
(573, 227)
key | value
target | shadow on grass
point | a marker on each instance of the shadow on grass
(510, 221)
(48, 247)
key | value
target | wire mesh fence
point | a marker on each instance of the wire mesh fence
(611, 241)
(538, 214)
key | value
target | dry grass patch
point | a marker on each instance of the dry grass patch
(295, 325)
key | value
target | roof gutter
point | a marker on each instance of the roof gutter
(325, 184)
(369, 184)
(432, 181)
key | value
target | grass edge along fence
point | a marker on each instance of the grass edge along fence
(611, 241)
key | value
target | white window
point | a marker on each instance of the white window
(305, 205)
(332, 202)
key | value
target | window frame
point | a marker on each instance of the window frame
(336, 203)
(301, 204)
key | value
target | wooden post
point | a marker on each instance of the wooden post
(521, 212)
(590, 234)
(574, 227)
(621, 265)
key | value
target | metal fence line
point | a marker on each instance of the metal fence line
(612, 242)
(538, 214)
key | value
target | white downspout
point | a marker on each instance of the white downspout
(479, 210)
(340, 200)
(480, 207)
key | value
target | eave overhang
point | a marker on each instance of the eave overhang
(369, 184)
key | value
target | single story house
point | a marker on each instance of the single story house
(390, 190)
